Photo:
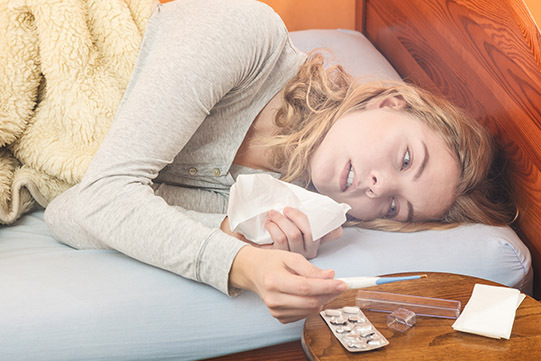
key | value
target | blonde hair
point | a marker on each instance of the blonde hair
(315, 98)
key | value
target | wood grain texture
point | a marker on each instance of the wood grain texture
(431, 338)
(484, 56)
(290, 351)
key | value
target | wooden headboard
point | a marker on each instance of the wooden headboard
(484, 55)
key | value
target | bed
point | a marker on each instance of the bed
(483, 58)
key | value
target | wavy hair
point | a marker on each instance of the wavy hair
(317, 96)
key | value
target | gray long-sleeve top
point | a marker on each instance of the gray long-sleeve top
(158, 186)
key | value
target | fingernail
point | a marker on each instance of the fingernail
(272, 213)
(341, 287)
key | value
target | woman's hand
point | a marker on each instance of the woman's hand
(291, 232)
(291, 287)
(226, 228)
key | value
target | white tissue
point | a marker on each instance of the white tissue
(252, 196)
(490, 311)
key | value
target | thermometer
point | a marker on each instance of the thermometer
(362, 282)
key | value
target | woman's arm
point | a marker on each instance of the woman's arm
(185, 67)
(194, 52)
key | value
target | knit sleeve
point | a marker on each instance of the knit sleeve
(194, 53)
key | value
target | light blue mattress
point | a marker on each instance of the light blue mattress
(58, 303)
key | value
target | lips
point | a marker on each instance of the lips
(347, 177)
(344, 176)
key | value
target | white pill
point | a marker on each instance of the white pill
(351, 309)
(363, 330)
(350, 339)
(374, 342)
(355, 319)
(338, 320)
(356, 344)
(333, 313)
(369, 335)
(343, 329)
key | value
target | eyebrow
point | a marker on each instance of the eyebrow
(423, 164)
(410, 212)
(415, 177)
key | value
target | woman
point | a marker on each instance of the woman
(218, 91)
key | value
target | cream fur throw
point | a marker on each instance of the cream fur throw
(64, 66)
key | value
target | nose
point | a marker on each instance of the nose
(379, 185)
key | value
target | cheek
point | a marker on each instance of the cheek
(317, 163)
(364, 209)
(319, 176)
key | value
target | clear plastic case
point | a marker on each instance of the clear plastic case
(421, 306)
(401, 320)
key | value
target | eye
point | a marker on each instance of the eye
(406, 161)
(392, 209)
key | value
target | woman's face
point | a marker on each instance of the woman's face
(386, 164)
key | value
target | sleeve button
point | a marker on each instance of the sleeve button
(216, 172)
(193, 171)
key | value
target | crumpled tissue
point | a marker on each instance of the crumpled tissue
(490, 311)
(252, 196)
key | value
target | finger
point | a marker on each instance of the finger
(311, 248)
(332, 235)
(277, 235)
(300, 266)
(287, 319)
(294, 235)
(291, 306)
(303, 286)
(300, 277)
(290, 319)
(300, 219)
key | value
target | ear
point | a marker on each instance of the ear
(395, 102)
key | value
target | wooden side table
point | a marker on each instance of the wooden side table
(431, 338)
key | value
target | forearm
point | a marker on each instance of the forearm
(170, 240)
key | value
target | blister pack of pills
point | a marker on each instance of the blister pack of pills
(354, 331)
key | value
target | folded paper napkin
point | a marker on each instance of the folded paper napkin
(490, 311)
(252, 196)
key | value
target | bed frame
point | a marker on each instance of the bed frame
(484, 55)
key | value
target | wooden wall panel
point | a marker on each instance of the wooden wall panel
(315, 14)
(485, 57)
